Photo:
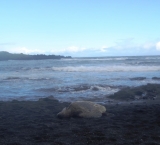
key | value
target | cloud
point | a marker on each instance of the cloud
(122, 44)
(131, 44)
(6, 45)
(158, 46)
(70, 49)
(26, 50)
(148, 45)
(80, 51)
(104, 48)
(121, 47)
(75, 49)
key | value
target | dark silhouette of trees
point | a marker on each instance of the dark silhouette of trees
(10, 56)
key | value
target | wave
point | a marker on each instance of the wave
(36, 69)
(12, 78)
(25, 78)
(153, 57)
(98, 58)
(39, 79)
(80, 88)
(106, 68)
(102, 88)
(144, 63)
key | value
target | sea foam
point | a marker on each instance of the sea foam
(106, 68)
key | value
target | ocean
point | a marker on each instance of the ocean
(75, 79)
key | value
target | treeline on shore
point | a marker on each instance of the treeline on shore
(4, 55)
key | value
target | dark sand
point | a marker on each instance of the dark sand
(35, 122)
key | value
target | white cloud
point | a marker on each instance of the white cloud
(148, 45)
(131, 44)
(122, 47)
(75, 49)
(158, 46)
(122, 44)
(26, 50)
(71, 49)
(104, 48)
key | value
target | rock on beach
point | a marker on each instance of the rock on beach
(85, 109)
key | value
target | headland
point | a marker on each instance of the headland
(10, 56)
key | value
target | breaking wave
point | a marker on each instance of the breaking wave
(97, 59)
(25, 78)
(80, 88)
(106, 68)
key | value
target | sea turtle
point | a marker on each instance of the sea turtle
(85, 109)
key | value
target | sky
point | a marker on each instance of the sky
(80, 28)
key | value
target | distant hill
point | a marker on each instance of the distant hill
(10, 56)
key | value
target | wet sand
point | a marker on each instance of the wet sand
(35, 122)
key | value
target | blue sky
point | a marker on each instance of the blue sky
(80, 27)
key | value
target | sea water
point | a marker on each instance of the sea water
(76, 78)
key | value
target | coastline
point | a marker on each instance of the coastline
(125, 122)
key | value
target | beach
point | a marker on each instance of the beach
(79, 72)
(125, 122)
(33, 92)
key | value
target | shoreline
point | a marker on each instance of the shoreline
(35, 122)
